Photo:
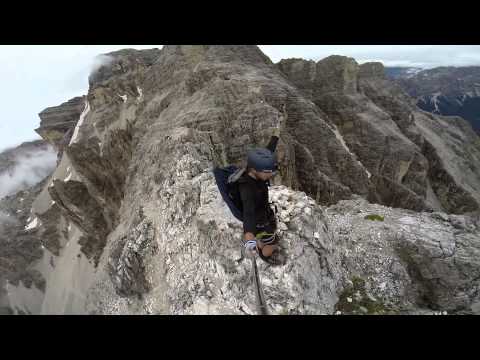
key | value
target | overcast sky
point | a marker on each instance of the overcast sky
(38, 76)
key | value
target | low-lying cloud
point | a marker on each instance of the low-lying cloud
(4, 218)
(29, 169)
(5, 222)
(99, 61)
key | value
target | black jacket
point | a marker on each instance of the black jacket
(254, 195)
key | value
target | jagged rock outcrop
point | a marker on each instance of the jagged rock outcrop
(122, 63)
(132, 221)
(57, 122)
(201, 269)
(129, 261)
(396, 142)
(407, 260)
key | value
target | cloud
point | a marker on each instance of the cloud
(5, 219)
(99, 61)
(29, 169)
(34, 77)
(5, 223)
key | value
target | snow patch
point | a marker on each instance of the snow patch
(140, 93)
(342, 141)
(68, 177)
(124, 98)
(411, 72)
(32, 224)
(80, 122)
(434, 100)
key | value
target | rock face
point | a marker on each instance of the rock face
(449, 91)
(407, 260)
(126, 64)
(20, 247)
(57, 122)
(202, 270)
(132, 222)
(399, 145)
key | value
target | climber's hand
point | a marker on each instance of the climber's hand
(251, 247)
(281, 121)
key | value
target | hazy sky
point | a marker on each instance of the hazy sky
(38, 76)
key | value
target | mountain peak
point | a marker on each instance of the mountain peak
(372, 69)
(370, 192)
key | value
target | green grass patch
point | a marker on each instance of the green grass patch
(374, 217)
(355, 301)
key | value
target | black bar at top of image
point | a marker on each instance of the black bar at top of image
(242, 23)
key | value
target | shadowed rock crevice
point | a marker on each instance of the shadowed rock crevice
(131, 256)
(453, 198)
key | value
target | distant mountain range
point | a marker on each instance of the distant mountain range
(450, 91)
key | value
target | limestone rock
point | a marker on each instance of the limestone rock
(57, 122)
(393, 140)
(132, 221)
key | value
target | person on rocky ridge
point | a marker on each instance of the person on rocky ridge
(259, 223)
(245, 191)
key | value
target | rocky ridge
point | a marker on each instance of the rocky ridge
(132, 222)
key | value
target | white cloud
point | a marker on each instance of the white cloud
(29, 169)
(99, 61)
(5, 221)
(35, 77)
(4, 218)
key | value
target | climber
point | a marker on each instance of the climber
(259, 223)
(246, 193)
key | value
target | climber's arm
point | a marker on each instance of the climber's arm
(248, 202)
(272, 145)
